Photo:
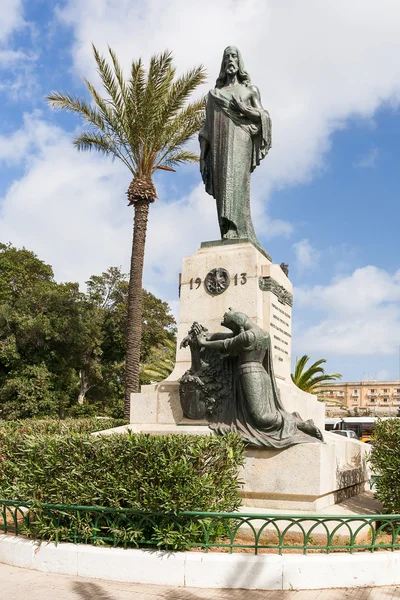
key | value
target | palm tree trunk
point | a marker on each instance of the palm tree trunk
(135, 303)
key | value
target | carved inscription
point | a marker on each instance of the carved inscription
(280, 350)
(216, 281)
(267, 284)
(281, 320)
(280, 310)
(281, 330)
(281, 341)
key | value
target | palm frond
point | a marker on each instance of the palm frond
(300, 364)
(144, 121)
(76, 105)
(316, 381)
(179, 131)
(109, 80)
(91, 140)
(181, 90)
(114, 124)
(159, 80)
(306, 375)
(312, 377)
(178, 158)
(160, 77)
(123, 87)
(134, 112)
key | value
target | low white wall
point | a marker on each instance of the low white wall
(213, 570)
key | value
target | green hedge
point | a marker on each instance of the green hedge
(67, 426)
(171, 472)
(385, 462)
(167, 473)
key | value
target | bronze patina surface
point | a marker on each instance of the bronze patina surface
(234, 376)
(236, 136)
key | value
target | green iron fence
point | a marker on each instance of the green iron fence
(253, 533)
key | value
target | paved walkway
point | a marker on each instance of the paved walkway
(19, 584)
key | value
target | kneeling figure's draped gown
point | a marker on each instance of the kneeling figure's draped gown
(255, 410)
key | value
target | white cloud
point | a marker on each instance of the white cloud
(361, 314)
(11, 18)
(317, 62)
(68, 207)
(307, 257)
(17, 78)
(369, 160)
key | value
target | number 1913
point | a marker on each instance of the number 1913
(238, 279)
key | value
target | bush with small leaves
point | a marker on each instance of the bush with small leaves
(385, 462)
(165, 474)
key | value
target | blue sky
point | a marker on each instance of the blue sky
(325, 200)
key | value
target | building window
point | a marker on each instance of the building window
(385, 390)
(355, 391)
(385, 399)
(373, 400)
(372, 391)
(355, 400)
(397, 391)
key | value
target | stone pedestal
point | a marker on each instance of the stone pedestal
(303, 477)
(258, 288)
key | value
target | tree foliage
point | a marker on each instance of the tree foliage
(143, 120)
(62, 351)
(385, 462)
(309, 378)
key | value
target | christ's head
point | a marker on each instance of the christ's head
(232, 64)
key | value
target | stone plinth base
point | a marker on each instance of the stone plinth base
(306, 476)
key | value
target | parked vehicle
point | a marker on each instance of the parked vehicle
(363, 427)
(348, 433)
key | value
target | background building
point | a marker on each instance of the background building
(364, 397)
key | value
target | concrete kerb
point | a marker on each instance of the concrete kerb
(212, 570)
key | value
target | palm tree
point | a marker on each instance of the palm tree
(145, 122)
(161, 361)
(311, 378)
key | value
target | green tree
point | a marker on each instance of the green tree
(50, 338)
(110, 292)
(309, 378)
(62, 351)
(145, 122)
(21, 271)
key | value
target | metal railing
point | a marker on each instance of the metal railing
(230, 532)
